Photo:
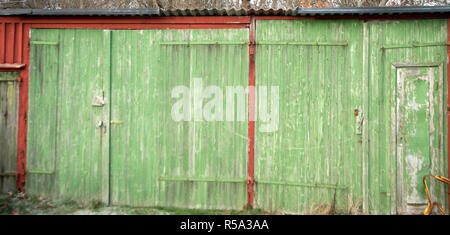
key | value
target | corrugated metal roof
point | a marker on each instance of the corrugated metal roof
(374, 10)
(229, 12)
(81, 12)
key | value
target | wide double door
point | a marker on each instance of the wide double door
(104, 108)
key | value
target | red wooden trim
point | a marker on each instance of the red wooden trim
(131, 20)
(138, 26)
(448, 106)
(23, 113)
(284, 17)
(251, 108)
(11, 66)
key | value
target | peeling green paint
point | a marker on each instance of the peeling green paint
(100, 115)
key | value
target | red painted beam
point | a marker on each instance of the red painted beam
(137, 26)
(11, 66)
(23, 111)
(131, 20)
(251, 117)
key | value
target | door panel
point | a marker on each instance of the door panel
(67, 148)
(9, 109)
(418, 114)
(156, 160)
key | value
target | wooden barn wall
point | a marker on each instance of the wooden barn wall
(99, 127)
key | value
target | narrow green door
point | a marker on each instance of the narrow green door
(419, 109)
(9, 109)
(68, 127)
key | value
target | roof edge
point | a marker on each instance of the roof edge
(374, 10)
(81, 12)
(229, 12)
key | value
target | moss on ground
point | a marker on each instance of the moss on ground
(22, 204)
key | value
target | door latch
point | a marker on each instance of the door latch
(116, 122)
(98, 101)
(359, 121)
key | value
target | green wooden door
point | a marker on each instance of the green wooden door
(9, 110)
(419, 109)
(407, 116)
(159, 160)
(150, 159)
(68, 106)
(314, 159)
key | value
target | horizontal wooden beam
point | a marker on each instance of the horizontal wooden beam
(12, 66)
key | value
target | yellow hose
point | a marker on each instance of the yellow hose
(431, 205)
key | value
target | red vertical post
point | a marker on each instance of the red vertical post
(23, 110)
(251, 117)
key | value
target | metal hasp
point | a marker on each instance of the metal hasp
(359, 121)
